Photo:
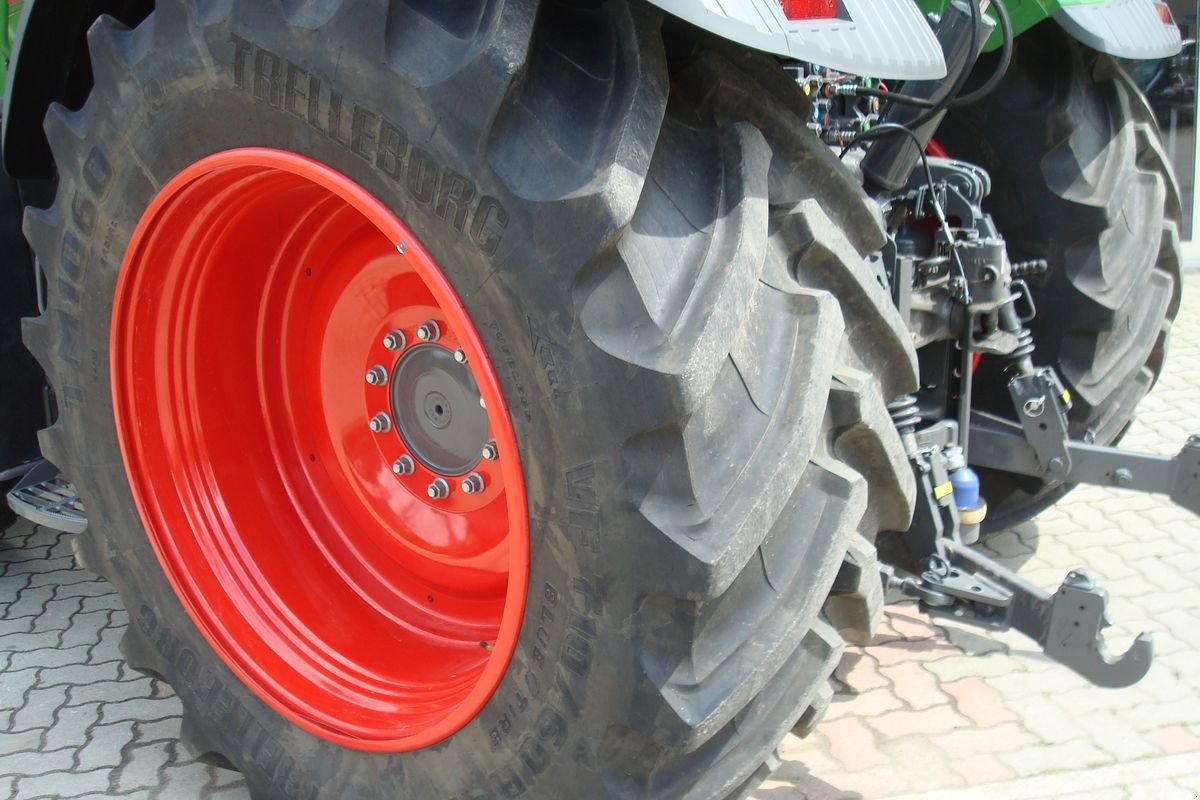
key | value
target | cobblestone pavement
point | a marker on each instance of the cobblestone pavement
(928, 711)
(74, 720)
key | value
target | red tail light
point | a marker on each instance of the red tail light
(1164, 13)
(809, 9)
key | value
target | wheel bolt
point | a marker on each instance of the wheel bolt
(460, 356)
(381, 423)
(377, 375)
(439, 489)
(395, 340)
(403, 465)
(473, 483)
(429, 331)
(490, 452)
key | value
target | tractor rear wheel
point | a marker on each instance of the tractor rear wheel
(468, 402)
(1081, 179)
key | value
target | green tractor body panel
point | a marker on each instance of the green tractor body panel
(1025, 13)
(1140, 29)
(8, 34)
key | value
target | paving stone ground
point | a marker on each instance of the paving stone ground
(932, 711)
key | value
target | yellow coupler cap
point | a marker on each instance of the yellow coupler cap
(973, 516)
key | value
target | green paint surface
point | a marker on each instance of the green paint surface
(8, 31)
(1025, 13)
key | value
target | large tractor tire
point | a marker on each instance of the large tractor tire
(1080, 178)
(649, 306)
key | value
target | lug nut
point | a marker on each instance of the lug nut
(377, 375)
(490, 452)
(381, 423)
(429, 331)
(473, 483)
(403, 465)
(395, 340)
(460, 356)
(439, 489)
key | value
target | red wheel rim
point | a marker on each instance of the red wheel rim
(253, 307)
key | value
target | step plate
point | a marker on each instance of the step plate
(44, 497)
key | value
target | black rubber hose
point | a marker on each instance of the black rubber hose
(935, 108)
(896, 97)
(1006, 54)
(964, 74)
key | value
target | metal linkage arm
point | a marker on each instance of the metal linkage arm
(1000, 444)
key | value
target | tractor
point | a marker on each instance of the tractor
(530, 398)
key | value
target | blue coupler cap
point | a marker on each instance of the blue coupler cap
(966, 488)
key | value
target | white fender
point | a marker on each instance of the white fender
(1141, 29)
(881, 38)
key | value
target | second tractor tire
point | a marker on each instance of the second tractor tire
(1080, 178)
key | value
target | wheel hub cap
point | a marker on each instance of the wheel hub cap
(435, 403)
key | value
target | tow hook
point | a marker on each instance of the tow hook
(963, 585)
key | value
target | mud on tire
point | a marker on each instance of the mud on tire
(667, 269)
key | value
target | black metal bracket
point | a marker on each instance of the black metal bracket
(1042, 405)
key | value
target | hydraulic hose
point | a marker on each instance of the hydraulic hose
(888, 164)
